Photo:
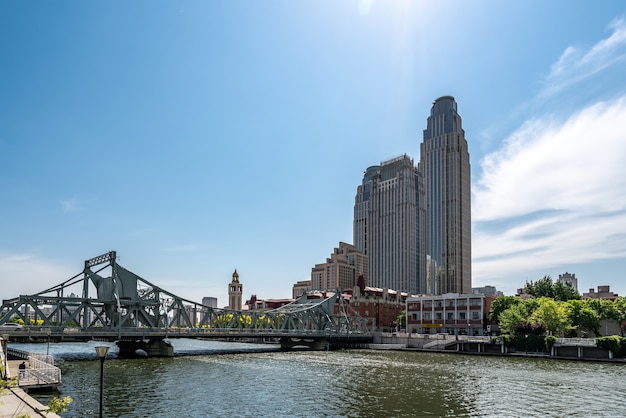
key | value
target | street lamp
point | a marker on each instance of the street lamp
(101, 351)
(5, 340)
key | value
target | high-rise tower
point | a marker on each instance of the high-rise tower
(389, 225)
(445, 165)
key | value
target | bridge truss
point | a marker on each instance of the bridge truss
(123, 301)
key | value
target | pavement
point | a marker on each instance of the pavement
(14, 401)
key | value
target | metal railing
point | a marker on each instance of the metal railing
(41, 370)
(577, 341)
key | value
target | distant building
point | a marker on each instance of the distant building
(209, 301)
(486, 290)
(389, 225)
(452, 313)
(568, 278)
(235, 291)
(341, 270)
(300, 288)
(254, 304)
(604, 292)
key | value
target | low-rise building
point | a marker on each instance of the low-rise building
(380, 307)
(487, 290)
(604, 292)
(451, 313)
(254, 304)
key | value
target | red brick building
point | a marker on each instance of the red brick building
(380, 307)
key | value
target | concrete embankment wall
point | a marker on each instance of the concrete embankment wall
(441, 343)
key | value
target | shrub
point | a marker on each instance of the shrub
(615, 343)
(549, 341)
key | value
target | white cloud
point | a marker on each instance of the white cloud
(554, 195)
(576, 64)
(576, 166)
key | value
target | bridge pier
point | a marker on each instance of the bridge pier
(153, 348)
(316, 344)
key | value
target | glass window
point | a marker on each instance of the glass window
(427, 304)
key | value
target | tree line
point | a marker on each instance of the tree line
(556, 309)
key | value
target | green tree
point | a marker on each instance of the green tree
(553, 315)
(509, 318)
(58, 405)
(619, 305)
(583, 317)
(564, 292)
(545, 287)
(541, 288)
(501, 304)
(401, 320)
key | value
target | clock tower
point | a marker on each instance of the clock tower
(235, 292)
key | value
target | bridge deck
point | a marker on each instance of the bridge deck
(29, 334)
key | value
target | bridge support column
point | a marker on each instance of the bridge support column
(317, 344)
(142, 348)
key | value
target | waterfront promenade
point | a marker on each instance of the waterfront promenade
(16, 402)
(564, 348)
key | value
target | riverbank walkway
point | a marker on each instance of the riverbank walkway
(15, 402)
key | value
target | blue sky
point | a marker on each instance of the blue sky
(198, 137)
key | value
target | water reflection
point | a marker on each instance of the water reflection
(357, 383)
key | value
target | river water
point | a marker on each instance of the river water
(351, 383)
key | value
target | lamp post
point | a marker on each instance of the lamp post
(101, 351)
(5, 340)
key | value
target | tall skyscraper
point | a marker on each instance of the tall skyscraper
(389, 225)
(445, 165)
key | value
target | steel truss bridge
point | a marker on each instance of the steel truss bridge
(137, 314)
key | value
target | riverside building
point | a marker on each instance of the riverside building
(452, 313)
(445, 164)
(389, 225)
